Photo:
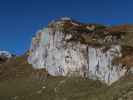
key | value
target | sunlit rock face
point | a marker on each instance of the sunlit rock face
(101, 65)
(61, 54)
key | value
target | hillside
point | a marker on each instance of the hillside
(19, 81)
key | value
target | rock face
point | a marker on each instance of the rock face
(69, 48)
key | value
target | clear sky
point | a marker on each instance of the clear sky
(20, 19)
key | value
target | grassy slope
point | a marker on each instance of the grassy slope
(51, 89)
(16, 83)
(17, 67)
(60, 88)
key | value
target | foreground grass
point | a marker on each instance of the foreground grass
(60, 88)
(17, 83)
(51, 89)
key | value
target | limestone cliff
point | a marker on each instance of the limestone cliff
(69, 48)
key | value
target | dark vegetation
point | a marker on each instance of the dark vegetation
(101, 34)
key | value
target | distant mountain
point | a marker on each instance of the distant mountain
(4, 56)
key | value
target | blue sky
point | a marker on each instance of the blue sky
(20, 19)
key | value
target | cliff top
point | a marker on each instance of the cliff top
(94, 33)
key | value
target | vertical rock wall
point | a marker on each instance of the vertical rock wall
(51, 50)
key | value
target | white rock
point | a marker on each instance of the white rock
(43, 87)
(61, 58)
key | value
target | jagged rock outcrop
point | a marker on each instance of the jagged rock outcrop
(69, 48)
